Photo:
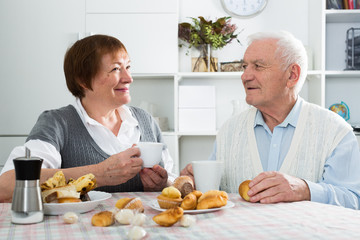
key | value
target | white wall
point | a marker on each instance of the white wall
(289, 15)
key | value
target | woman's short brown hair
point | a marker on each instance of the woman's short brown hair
(82, 61)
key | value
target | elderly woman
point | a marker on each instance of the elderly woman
(97, 133)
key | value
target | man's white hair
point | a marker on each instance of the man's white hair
(290, 50)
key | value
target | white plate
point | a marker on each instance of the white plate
(79, 207)
(154, 205)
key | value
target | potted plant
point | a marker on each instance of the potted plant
(205, 34)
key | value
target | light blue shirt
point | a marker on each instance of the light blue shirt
(340, 184)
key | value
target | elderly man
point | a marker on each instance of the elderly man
(290, 149)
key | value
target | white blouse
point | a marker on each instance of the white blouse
(128, 135)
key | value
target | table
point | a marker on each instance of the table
(298, 220)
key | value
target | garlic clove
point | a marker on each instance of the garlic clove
(187, 220)
(136, 233)
(124, 216)
(70, 217)
(139, 219)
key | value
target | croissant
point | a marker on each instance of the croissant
(103, 219)
(213, 193)
(189, 202)
(212, 199)
(169, 217)
(197, 193)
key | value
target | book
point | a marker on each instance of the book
(351, 4)
(345, 4)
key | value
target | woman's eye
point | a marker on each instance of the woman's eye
(115, 69)
(128, 67)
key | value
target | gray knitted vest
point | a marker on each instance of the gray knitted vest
(64, 129)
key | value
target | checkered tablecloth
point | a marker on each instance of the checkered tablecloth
(299, 220)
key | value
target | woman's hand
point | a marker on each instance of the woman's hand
(119, 168)
(154, 179)
(273, 187)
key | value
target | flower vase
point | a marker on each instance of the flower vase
(202, 59)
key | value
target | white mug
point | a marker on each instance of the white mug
(150, 153)
(207, 174)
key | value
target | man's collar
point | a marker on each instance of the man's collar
(291, 118)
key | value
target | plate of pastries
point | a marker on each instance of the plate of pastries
(60, 195)
(182, 194)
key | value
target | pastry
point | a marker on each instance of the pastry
(212, 199)
(68, 200)
(130, 203)
(213, 193)
(189, 202)
(197, 193)
(184, 184)
(170, 197)
(169, 217)
(57, 180)
(55, 188)
(54, 194)
(103, 219)
(85, 183)
(243, 190)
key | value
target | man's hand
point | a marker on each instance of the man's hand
(188, 171)
(119, 168)
(273, 187)
(154, 179)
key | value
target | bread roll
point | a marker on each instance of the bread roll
(189, 202)
(184, 184)
(243, 190)
(103, 219)
(169, 217)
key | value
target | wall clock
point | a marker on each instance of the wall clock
(243, 8)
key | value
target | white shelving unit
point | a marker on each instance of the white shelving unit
(341, 85)
(158, 64)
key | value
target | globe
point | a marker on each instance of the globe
(342, 109)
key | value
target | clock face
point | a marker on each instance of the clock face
(243, 8)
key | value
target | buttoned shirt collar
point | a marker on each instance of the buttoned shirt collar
(291, 118)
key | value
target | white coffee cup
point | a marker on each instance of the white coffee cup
(207, 174)
(150, 153)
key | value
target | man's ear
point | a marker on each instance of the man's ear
(294, 74)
